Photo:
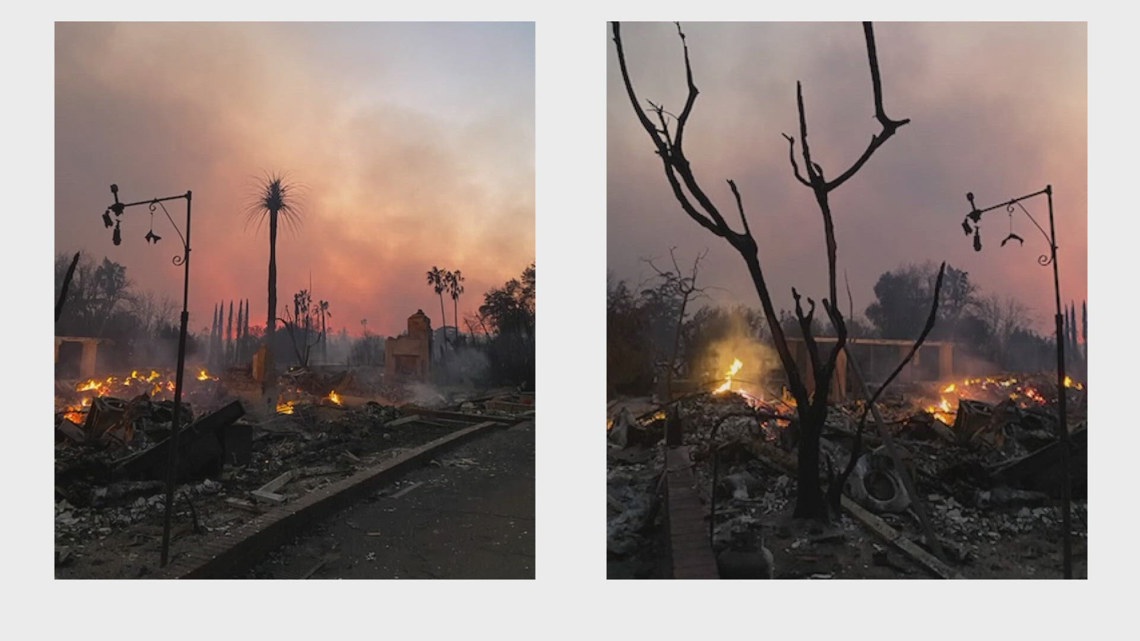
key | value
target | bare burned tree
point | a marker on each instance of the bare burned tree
(686, 288)
(668, 138)
(63, 288)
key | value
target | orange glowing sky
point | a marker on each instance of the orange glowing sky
(413, 144)
(997, 109)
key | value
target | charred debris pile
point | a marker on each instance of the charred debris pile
(240, 453)
(982, 454)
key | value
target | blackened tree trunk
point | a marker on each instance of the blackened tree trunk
(667, 134)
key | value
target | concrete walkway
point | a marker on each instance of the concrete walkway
(467, 514)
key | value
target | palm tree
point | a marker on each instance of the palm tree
(323, 309)
(274, 199)
(437, 278)
(455, 288)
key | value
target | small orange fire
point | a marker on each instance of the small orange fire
(155, 384)
(101, 388)
(732, 371)
(335, 398)
(285, 408)
(983, 387)
(77, 413)
(113, 384)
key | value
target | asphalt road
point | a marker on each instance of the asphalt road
(468, 514)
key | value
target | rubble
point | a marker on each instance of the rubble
(985, 469)
(237, 460)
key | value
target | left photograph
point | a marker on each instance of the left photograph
(294, 300)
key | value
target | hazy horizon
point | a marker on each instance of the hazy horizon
(997, 109)
(412, 146)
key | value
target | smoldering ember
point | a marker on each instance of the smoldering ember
(267, 459)
(939, 434)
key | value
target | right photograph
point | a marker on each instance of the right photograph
(847, 300)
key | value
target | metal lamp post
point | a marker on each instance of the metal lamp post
(183, 261)
(975, 216)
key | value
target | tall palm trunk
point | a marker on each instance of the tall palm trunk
(271, 320)
(455, 315)
(443, 324)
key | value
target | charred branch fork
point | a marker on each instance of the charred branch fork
(667, 133)
(117, 208)
(971, 224)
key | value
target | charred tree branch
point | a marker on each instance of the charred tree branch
(812, 411)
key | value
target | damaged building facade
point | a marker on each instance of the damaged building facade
(409, 355)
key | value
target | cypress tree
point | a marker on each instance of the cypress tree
(229, 351)
(210, 352)
(221, 336)
(1085, 325)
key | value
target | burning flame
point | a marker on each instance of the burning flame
(108, 385)
(101, 388)
(732, 371)
(285, 408)
(944, 409)
(335, 398)
(155, 384)
(77, 413)
(1069, 382)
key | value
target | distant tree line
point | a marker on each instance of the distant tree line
(641, 319)
(503, 330)
(232, 342)
(988, 326)
(101, 302)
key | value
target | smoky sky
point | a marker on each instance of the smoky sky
(997, 109)
(411, 146)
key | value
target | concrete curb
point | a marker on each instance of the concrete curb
(230, 555)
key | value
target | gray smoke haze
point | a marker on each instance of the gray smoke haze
(999, 109)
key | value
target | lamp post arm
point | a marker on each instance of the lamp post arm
(979, 212)
(154, 200)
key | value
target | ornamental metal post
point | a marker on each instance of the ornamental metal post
(975, 215)
(183, 261)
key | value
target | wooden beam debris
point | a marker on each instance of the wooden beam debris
(403, 420)
(927, 560)
(785, 463)
(460, 416)
(204, 436)
(268, 492)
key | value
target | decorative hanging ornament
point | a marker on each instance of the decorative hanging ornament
(152, 237)
(117, 236)
(1012, 236)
